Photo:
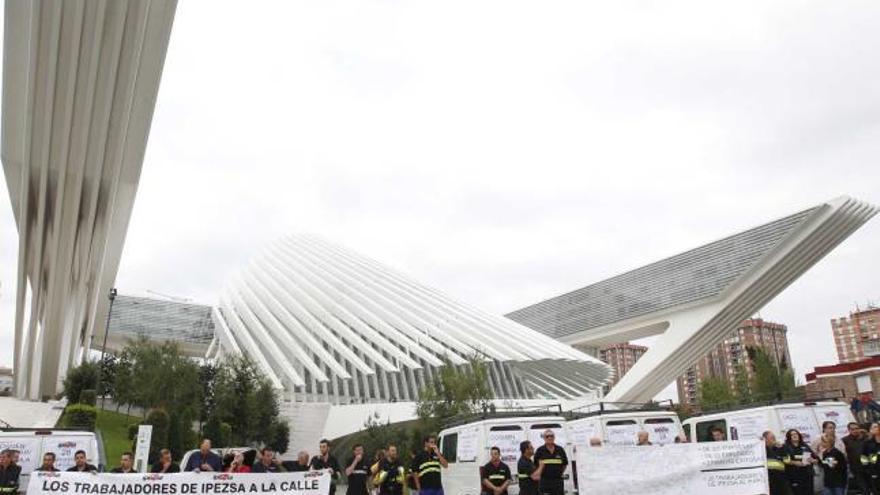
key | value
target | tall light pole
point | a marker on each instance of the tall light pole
(112, 297)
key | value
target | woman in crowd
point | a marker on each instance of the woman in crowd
(237, 465)
(799, 460)
(834, 465)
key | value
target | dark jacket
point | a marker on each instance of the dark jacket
(835, 467)
(212, 459)
(9, 478)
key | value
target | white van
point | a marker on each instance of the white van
(32, 444)
(466, 447)
(749, 424)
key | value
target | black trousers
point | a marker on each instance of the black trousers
(552, 488)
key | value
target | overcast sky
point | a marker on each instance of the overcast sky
(505, 151)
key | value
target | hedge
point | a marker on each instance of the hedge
(80, 416)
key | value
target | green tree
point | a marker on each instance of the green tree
(455, 391)
(82, 377)
(772, 382)
(741, 385)
(244, 400)
(715, 393)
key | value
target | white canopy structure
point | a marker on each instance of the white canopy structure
(693, 299)
(329, 325)
(80, 80)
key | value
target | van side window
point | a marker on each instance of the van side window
(449, 447)
(506, 428)
(546, 426)
(657, 421)
(704, 433)
(620, 422)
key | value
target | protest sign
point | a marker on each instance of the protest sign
(508, 442)
(468, 450)
(717, 468)
(63, 483)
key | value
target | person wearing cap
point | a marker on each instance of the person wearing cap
(552, 461)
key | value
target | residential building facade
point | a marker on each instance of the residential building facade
(621, 357)
(857, 337)
(731, 356)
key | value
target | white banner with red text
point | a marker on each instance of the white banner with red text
(63, 483)
(716, 468)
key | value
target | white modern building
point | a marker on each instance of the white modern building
(329, 325)
(80, 80)
(691, 300)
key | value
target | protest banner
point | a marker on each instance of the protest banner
(717, 468)
(63, 483)
(508, 442)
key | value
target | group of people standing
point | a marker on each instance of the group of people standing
(838, 464)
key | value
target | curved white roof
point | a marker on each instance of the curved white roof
(324, 321)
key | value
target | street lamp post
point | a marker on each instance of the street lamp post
(112, 297)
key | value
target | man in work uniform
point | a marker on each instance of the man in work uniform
(495, 475)
(9, 474)
(775, 465)
(871, 459)
(552, 461)
(326, 461)
(390, 473)
(527, 474)
(426, 468)
(358, 470)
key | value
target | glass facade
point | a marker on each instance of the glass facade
(692, 276)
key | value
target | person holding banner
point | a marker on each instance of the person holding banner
(165, 464)
(204, 459)
(527, 474)
(552, 462)
(125, 464)
(267, 463)
(48, 463)
(80, 465)
(326, 461)
(775, 465)
(495, 475)
(799, 460)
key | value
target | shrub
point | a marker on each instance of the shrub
(83, 377)
(160, 421)
(88, 396)
(81, 416)
(133, 431)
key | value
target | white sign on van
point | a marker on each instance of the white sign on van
(28, 448)
(65, 447)
(468, 448)
(661, 433)
(802, 420)
(749, 427)
(621, 434)
(581, 433)
(507, 442)
(839, 413)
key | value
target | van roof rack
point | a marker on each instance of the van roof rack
(600, 408)
(806, 399)
(507, 412)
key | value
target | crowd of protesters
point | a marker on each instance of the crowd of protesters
(829, 464)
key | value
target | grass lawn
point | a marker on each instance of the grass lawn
(114, 430)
